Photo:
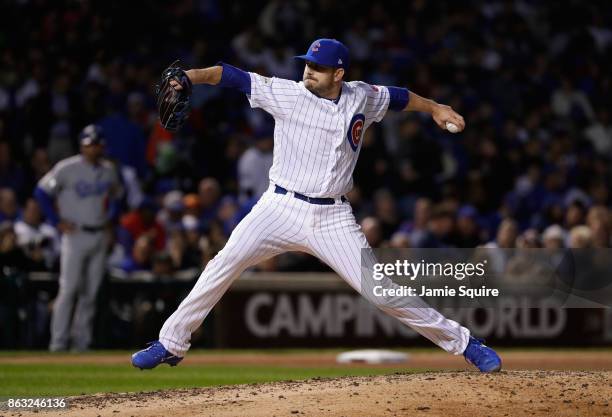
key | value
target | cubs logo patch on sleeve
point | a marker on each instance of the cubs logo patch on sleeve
(355, 130)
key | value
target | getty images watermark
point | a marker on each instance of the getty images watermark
(423, 270)
(487, 277)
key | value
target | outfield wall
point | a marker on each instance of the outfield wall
(321, 310)
(280, 310)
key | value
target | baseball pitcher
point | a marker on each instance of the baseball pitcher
(319, 123)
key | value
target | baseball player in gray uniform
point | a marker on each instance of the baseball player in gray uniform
(319, 123)
(85, 189)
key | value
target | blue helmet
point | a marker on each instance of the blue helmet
(92, 135)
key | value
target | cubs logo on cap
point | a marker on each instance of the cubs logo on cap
(327, 52)
(355, 131)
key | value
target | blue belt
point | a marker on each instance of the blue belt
(312, 200)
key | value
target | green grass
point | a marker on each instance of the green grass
(286, 351)
(66, 378)
(28, 380)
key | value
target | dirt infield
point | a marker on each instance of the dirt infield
(581, 385)
(509, 393)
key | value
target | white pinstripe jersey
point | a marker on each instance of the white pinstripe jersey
(316, 141)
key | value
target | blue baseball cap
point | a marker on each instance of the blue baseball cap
(91, 135)
(327, 52)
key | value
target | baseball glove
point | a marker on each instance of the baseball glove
(173, 104)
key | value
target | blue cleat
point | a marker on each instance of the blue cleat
(482, 356)
(154, 355)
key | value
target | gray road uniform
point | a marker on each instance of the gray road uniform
(82, 192)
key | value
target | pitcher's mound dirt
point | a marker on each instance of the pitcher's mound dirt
(509, 393)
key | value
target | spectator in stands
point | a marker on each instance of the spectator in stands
(36, 238)
(134, 194)
(253, 167)
(599, 133)
(9, 210)
(373, 231)
(192, 205)
(418, 158)
(209, 193)
(212, 242)
(171, 215)
(51, 115)
(598, 220)
(467, 228)
(11, 174)
(580, 237)
(505, 239)
(39, 165)
(417, 226)
(138, 112)
(399, 240)
(529, 239)
(385, 210)
(141, 257)
(279, 61)
(575, 215)
(13, 256)
(228, 214)
(141, 222)
(568, 101)
(440, 230)
(184, 245)
(125, 140)
(171, 171)
(506, 235)
(553, 237)
(162, 265)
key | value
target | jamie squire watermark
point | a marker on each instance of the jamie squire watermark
(423, 291)
(422, 269)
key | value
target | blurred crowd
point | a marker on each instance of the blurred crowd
(532, 79)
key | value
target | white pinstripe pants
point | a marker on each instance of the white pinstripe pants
(280, 223)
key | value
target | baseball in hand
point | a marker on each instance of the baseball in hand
(451, 127)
